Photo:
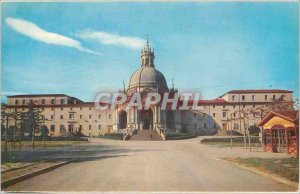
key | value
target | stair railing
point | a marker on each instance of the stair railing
(160, 130)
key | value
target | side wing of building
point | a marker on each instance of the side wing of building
(63, 113)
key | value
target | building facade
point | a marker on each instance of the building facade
(64, 113)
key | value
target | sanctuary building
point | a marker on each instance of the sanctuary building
(63, 113)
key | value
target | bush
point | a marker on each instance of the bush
(39, 138)
(118, 136)
(254, 130)
(227, 140)
(176, 136)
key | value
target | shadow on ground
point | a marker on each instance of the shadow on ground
(80, 153)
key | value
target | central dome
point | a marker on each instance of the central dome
(148, 77)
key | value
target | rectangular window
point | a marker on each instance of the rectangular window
(204, 125)
(52, 128)
(80, 116)
(52, 108)
(62, 101)
(266, 97)
(99, 116)
(195, 115)
(61, 116)
(62, 129)
(52, 117)
(253, 105)
(253, 97)
(214, 114)
(99, 127)
(61, 108)
(90, 127)
(23, 101)
(80, 108)
(243, 97)
(90, 108)
(233, 106)
(274, 97)
(224, 114)
(244, 106)
(43, 101)
(233, 97)
(16, 102)
(213, 106)
(71, 116)
(52, 101)
(224, 106)
(90, 116)
(233, 114)
(109, 116)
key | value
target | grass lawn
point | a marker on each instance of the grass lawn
(285, 167)
(7, 166)
(236, 142)
(27, 144)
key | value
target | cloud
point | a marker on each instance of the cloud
(35, 32)
(112, 39)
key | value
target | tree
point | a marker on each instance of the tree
(279, 104)
(16, 116)
(243, 116)
(32, 120)
(231, 118)
(44, 133)
(5, 117)
(23, 125)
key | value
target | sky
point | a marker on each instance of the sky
(80, 49)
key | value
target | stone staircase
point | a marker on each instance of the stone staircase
(145, 135)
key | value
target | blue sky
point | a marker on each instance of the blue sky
(82, 48)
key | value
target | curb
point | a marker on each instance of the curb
(271, 175)
(32, 174)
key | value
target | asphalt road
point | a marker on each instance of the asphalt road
(185, 165)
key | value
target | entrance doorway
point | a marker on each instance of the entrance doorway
(122, 119)
(224, 126)
(147, 119)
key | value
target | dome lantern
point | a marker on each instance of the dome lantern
(147, 55)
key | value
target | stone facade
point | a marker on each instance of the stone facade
(64, 113)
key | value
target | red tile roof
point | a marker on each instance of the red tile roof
(38, 95)
(258, 91)
(288, 115)
(205, 102)
(214, 101)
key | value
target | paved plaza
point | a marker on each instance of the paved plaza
(183, 165)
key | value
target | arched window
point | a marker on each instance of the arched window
(147, 61)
